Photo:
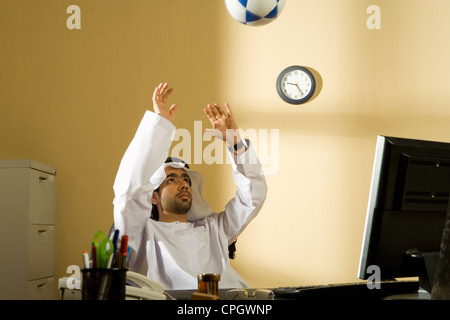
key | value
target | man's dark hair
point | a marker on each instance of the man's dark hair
(155, 213)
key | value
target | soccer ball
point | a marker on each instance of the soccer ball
(255, 12)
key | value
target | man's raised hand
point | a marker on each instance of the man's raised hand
(160, 97)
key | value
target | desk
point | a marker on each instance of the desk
(224, 294)
(407, 291)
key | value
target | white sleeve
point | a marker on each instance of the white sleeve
(250, 195)
(132, 188)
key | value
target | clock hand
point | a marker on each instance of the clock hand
(298, 87)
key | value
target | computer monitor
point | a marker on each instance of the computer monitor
(407, 207)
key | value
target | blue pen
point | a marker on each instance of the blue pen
(115, 239)
(128, 254)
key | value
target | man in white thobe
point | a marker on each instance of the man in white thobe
(183, 237)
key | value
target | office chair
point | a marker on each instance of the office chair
(231, 247)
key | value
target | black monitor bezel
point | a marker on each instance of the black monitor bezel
(384, 208)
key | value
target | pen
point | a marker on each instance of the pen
(109, 262)
(115, 252)
(128, 254)
(94, 256)
(86, 259)
(115, 238)
(123, 251)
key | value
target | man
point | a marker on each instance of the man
(183, 237)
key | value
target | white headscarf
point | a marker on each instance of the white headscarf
(200, 208)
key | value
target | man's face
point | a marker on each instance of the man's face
(175, 193)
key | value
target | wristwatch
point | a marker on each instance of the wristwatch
(237, 146)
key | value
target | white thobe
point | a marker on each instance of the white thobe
(175, 253)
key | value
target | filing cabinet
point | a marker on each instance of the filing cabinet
(27, 230)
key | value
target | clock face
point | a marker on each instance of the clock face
(296, 85)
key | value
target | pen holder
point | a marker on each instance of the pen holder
(104, 284)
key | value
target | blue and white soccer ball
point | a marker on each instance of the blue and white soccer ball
(255, 12)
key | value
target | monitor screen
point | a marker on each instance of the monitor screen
(408, 202)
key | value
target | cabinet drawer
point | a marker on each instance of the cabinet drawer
(41, 257)
(41, 289)
(42, 197)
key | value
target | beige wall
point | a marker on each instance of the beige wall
(74, 98)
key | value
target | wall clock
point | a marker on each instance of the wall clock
(296, 84)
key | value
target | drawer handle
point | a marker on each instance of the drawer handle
(42, 235)
(41, 179)
(40, 285)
